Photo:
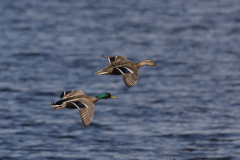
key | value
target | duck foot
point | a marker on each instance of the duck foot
(57, 108)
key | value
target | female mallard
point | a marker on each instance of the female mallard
(76, 99)
(120, 65)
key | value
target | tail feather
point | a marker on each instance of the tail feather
(54, 105)
(101, 72)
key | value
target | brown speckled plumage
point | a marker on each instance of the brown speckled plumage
(120, 65)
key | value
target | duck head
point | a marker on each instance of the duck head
(105, 96)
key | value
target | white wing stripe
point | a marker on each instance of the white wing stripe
(128, 69)
(120, 70)
(125, 68)
(75, 105)
(111, 57)
(84, 104)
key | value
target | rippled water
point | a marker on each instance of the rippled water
(188, 108)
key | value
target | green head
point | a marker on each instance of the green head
(105, 96)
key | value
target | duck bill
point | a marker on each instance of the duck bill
(113, 96)
(155, 65)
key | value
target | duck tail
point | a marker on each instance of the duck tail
(54, 105)
(102, 72)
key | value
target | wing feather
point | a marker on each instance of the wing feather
(129, 79)
(129, 75)
(67, 94)
(115, 58)
(86, 113)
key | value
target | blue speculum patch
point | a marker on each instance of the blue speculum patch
(78, 103)
(124, 70)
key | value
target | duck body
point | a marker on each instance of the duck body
(72, 99)
(76, 99)
(116, 67)
(120, 65)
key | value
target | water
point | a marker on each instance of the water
(188, 108)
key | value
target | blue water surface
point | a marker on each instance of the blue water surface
(188, 108)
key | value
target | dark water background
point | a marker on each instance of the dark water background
(188, 108)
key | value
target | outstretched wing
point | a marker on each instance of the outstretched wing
(129, 75)
(130, 79)
(114, 58)
(67, 94)
(85, 109)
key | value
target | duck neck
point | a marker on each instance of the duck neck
(94, 99)
(138, 65)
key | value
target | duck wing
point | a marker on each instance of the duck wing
(85, 109)
(65, 101)
(129, 75)
(112, 59)
(67, 94)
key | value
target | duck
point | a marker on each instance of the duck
(120, 65)
(76, 99)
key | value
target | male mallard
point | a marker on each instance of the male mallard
(76, 99)
(120, 65)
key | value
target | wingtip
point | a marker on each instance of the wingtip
(129, 86)
(62, 94)
(103, 56)
(85, 125)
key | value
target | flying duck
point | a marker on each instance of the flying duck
(120, 65)
(76, 99)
